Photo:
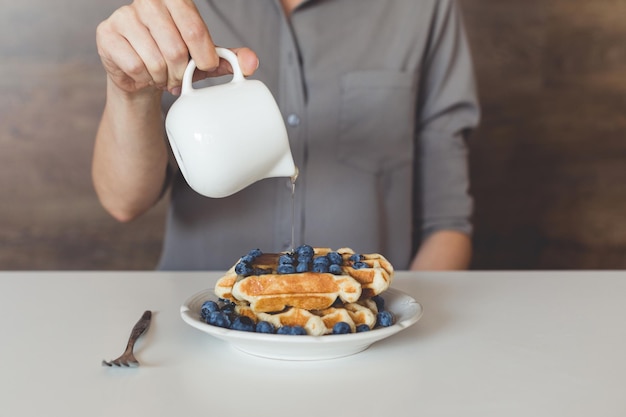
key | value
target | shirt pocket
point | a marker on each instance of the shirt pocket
(377, 119)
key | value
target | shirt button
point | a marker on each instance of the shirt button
(293, 120)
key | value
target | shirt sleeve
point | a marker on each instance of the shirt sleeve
(448, 110)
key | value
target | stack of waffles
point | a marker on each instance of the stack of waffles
(332, 287)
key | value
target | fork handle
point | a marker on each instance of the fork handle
(139, 328)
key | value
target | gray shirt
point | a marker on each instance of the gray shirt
(377, 97)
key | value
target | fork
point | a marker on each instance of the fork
(128, 357)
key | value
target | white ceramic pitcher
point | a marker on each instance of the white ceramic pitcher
(228, 136)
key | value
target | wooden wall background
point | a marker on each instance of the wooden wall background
(548, 163)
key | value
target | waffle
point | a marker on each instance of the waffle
(375, 279)
(318, 322)
(308, 290)
(271, 292)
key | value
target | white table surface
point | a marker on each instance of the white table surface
(489, 344)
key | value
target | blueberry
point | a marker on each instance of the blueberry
(321, 268)
(248, 259)
(357, 257)
(305, 250)
(228, 308)
(341, 328)
(284, 330)
(291, 330)
(323, 260)
(334, 258)
(360, 265)
(380, 302)
(298, 331)
(243, 323)
(255, 253)
(335, 269)
(264, 327)
(218, 318)
(286, 269)
(208, 307)
(303, 259)
(243, 268)
(285, 259)
(362, 328)
(384, 319)
(302, 267)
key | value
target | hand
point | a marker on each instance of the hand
(443, 251)
(146, 46)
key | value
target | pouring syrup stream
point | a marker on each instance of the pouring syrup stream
(293, 209)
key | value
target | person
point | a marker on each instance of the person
(378, 99)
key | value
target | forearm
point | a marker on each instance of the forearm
(130, 153)
(444, 250)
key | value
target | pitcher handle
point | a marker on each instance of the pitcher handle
(227, 54)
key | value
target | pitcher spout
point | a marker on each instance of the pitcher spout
(284, 168)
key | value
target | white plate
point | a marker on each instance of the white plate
(406, 310)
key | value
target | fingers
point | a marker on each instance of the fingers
(129, 53)
(195, 35)
(148, 44)
(180, 31)
(120, 60)
(159, 44)
(137, 53)
(248, 60)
